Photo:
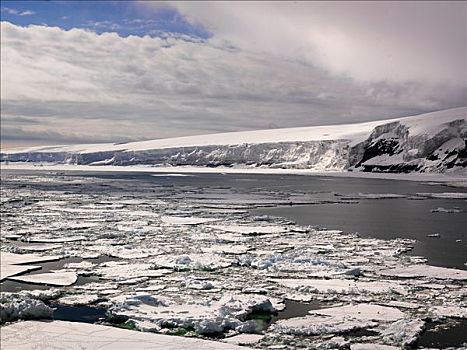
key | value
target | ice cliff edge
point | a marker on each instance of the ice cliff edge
(431, 142)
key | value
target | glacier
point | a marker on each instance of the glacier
(428, 143)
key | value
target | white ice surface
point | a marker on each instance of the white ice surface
(10, 263)
(403, 332)
(249, 230)
(426, 271)
(363, 312)
(63, 335)
(449, 311)
(372, 346)
(341, 286)
(244, 339)
(318, 325)
(59, 278)
(177, 220)
(79, 299)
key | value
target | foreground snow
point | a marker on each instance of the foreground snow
(67, 335)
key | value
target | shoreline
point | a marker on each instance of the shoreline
(455, 180)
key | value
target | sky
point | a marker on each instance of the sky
(119, 71)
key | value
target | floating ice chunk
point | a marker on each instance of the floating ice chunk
(250, 230)
(63, 334)
(9, 263)
(372, 346)
(226, 249)
(403, 332)
(370, 195)
(14, 259)
(449, 311)
(317, 324)
(445, 195)
(178, 220)
(336, 342)
(208, 326)
(120, 271)
(171, 175)
(446, 210)
(147, 299)
(19, 307)
(341, 286)
(244, 339)
(130, 281)
(403, 304)
(230, 237)
(204, 261)
(151, 288)
(79, 299)
(58, 278)
(364, 312)
(428, 271)
(199, 285)
(126, 252)
(205, 315)
(13, 270)
(65, 239)
(39, 247)
(433, 235)
(42, 294)
(79, 266)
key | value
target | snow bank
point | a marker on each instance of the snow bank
(19, 307)
(66, 335)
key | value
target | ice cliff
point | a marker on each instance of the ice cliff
(431, 142)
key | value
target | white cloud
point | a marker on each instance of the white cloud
(27, 13)
(9, 11)
(370, 41)
(85, 86)
(16, 12)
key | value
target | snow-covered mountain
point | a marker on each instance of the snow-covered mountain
(431, 142)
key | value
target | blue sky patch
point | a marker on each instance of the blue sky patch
(123, 17)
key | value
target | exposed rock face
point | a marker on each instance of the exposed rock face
(391, 148)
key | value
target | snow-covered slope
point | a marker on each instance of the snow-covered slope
(432, 142)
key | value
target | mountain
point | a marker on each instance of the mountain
(431, 142)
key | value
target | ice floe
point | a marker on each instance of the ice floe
(317, 324)
(363, 312)
(341, 286)
(56, 278)
(12, 264)
(249, 230)
(203, 261)
(372, 346)
(177, 220)
(403, 332)
(428, 271)
(206, 316)
(79, 299)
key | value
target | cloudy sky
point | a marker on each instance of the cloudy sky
(80, 72)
